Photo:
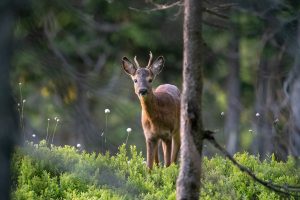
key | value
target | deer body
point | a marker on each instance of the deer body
(160, 111)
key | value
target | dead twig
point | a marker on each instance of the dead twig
(158, 7)
(215, 13)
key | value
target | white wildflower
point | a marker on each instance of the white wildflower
(107, 111)
(128, 130)
(257, 114)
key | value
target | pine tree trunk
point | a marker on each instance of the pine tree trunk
(85, 130)
(295, 99)
(295, 109)
(293, 84)
(233, 97)
(8, 117)
(188, 183)
(263, 125)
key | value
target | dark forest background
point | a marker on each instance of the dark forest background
(66, 71)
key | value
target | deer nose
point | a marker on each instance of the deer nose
(143, 91)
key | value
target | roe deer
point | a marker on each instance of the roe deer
(160, 110)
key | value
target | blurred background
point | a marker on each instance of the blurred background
(67, 71)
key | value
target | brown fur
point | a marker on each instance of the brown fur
(160, 112)
(160, 120)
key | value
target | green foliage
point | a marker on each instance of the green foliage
(41, 172)
(221, 177)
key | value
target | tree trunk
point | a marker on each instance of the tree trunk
(188, 183)
(295, 99)
(279, 135)
(295, 108)
(8, 116)
(85, 129)
(293, 92)
(232, 119)
(263, 127)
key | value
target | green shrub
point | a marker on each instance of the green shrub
(41, 172)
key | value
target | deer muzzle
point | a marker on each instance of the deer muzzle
(143, 91)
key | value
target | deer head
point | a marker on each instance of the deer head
(143, 76)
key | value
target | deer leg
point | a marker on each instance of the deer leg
(156, 155)
(164, 148)
(175, 147)
(151, 152)
(167, 145)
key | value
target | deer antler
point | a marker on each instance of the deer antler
(136, 62)
(150, 59)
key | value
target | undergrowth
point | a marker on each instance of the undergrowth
(40, 172)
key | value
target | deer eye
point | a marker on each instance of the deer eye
(135, 80)
(150, 80)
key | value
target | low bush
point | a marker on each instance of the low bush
(40, 172)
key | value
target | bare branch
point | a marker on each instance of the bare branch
(158, 7)
(85, 58)
(282, 189)
(113, 81)
(176, 15)
(105, 27)
(83, 50)
(50, 33)
(224, 6)
(100, 63)
(213, 12)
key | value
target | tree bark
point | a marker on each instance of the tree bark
(295, 109)
(294, 145)
(85, 129)
(279, 135)
(188, 183)
(293, 95)
(232, 119)
(8, 116)
(263, 123)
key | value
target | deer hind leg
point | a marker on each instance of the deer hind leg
(167, 146)
(151, 152)
(175, 147)
(156, 160)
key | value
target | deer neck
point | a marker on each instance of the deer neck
(148, 104)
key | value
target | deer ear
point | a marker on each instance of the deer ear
(128, 67)
(157, 65)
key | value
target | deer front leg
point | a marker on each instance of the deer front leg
(167, 146)
(151, 152)
(175, 147)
